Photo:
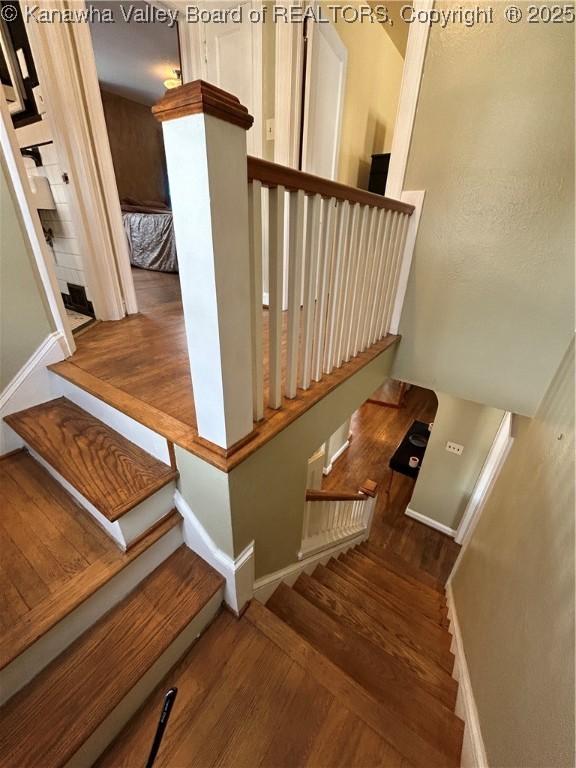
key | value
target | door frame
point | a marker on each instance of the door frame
(311, 34)
(42, 257)
(288, 92)
(489, 473)
(194, 62)
(63, 53)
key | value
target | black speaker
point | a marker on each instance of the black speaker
(379, 173)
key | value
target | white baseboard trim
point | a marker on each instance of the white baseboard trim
(266, 585)
(238, 572)
(30, 386)
(473, 750)
(430, 522)
(337, 455)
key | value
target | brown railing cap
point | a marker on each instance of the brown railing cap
(200, 97)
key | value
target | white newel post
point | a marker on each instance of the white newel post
(205, 142)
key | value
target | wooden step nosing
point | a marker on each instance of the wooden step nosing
(113, 512)
(441, 653)
(39, 652)
(420, 752)
(113, 723)
(409, 577)
(389, 602)
(445, 688)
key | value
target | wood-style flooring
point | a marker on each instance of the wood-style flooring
(140, 366)
(376, 433)
(53, 553)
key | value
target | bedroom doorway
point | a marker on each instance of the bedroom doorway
(137, 59)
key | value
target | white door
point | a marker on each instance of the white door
(324, 88)
(233, 62)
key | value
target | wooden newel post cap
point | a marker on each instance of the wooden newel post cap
(369, 488)
(200, 97)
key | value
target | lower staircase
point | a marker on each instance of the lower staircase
(349, 667)
(103, 604)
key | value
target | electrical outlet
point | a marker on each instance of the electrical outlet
(454, 448)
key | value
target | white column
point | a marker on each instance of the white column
(205, 142)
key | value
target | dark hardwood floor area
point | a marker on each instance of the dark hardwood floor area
(140, 366)
(376, 432)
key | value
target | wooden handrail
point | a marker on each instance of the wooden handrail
(334, 496)
(274, 175)
(367, 489)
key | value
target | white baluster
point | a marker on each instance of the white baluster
(395, 259)
(403, 231)
(387, 285)
(324, 268)
(275, 291)
(363, 281)
(306, 521)
(310, 286)
(379, 295)
(342, 212)
(346, 295)
(372, 278)
(295, 264)
(352, 298)
(255, 236)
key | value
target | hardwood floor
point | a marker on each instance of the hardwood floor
(376, 432)
(140, 365)
(53, 554)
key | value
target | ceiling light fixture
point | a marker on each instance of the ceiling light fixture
(174, 82)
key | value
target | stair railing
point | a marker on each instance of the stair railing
(331, 257)
(334, 517)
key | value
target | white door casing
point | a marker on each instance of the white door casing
(324, 91)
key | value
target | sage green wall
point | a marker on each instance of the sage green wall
(268, 489)
(446, 481)
(24, 318)
(514, 592)
(490, 301)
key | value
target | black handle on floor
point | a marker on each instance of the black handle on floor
(169, 700)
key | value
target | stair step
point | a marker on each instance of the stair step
(391, 601)
(112, 473)
(372, 669)
(432, 608)
(428, 642)
(51, 719)
(424, 672)
(243, 701)
(395, 563)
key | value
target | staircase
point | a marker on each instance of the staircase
(102, 605)
(349, 667)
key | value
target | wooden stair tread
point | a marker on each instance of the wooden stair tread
(396, 586)
(243, 701)
(430, 642)
(391, 601)
(76, 691)
(372, 669)
(112, 473)
(401, 567)
(382, 718)
(424, 672)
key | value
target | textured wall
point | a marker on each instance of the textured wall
(514, 592)
(489, 307)
(24, 319)
(446, 481)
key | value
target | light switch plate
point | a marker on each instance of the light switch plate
(454, 448)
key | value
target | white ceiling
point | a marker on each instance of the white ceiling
(133, 59)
